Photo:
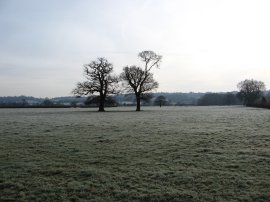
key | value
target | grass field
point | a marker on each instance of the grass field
(167, 154)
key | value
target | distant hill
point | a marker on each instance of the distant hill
(20, 99)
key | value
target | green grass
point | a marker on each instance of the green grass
(167, 154)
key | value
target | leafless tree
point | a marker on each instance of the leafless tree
(160, 100)
(99, 80)
(250, 90)
(140, 80)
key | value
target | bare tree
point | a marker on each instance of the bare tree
(99, 80)
(140, 80)
(250, 91)
(160, 100)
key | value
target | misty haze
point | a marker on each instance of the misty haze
(134, 100)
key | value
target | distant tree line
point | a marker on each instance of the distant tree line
(219, 99)
(95, 100)
(149, 99)
(252, 93)
(154, 99)
(31, 102)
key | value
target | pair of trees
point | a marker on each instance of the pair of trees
(134, 78)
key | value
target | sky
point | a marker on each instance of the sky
(207, 46)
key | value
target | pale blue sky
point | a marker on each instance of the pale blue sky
(207, 45)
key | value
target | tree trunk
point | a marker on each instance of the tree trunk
(138, 99)
(101, 103)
